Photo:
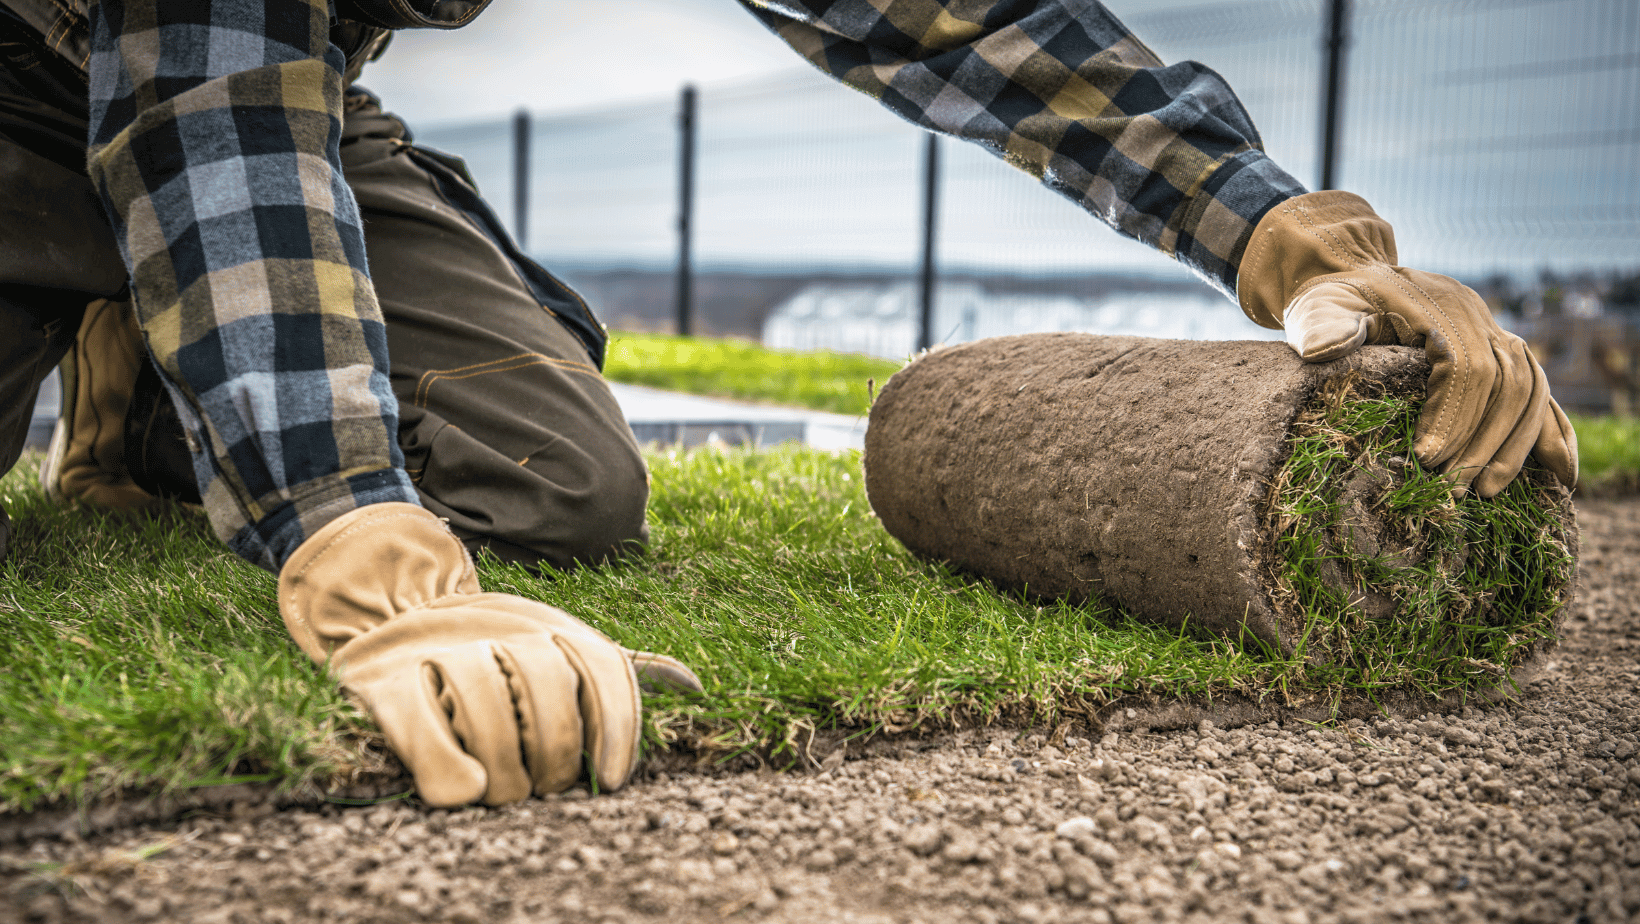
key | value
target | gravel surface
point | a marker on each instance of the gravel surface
(1528, 811)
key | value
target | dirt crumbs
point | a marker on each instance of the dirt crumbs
(1524, 812)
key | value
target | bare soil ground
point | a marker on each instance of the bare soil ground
(1525, 811)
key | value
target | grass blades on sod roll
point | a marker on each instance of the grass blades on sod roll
(1455, 591)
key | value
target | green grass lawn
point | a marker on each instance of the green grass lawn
(139, 653)
(1608, 454)
(822, 380)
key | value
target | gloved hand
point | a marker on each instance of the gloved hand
(482, 695)
(1322, 266)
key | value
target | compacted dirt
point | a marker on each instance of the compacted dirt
(1525, 811)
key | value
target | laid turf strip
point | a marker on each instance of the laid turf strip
(140, 654)
(1226, 485)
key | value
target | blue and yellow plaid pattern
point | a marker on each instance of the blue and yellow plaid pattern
(1062, 90)
(214, 142)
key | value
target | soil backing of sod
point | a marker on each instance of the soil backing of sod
(1227, 485)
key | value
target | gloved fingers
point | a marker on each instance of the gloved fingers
(1454, 327)
(610, 707)
(471, 685)
(1327, 321)
(1556, 447)
(405, 704)
(1505, 464)
(658, 673)
(1507, 404)
(1463, 380)
(544, 690)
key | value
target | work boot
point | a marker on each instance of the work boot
(118, 442)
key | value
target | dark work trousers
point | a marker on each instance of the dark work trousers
(508, 428)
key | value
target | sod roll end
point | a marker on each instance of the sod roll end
(1226, 483)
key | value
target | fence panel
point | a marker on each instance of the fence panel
(1500, 135)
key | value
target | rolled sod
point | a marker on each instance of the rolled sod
(1223, 483)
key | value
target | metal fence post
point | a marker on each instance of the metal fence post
(1334, 44)
(930, 217)
(521, 178)
(684, 299)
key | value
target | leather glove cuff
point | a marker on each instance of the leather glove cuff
(1302, 240)
(346, 579)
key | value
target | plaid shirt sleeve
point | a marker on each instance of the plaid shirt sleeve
(1061, 89)
(214, 139)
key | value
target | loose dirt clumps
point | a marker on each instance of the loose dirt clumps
(1528, 811)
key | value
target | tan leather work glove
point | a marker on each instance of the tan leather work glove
(1322, 266)
(484, 696)
(86, 459)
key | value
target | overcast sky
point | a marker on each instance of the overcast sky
(558, 55)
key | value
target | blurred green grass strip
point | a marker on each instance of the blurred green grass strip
(1608, 450)
(822, 381)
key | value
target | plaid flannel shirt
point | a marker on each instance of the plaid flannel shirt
(214, 142)
(1061, 89)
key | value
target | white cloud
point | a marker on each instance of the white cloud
(559, 55)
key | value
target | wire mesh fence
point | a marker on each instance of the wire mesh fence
(1501, 137)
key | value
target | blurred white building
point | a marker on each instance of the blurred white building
(881, 319)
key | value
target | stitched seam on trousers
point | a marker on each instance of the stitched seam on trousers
(508, 364)
(63, 29)
(511, 364)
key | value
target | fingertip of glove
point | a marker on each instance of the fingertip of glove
(611, 709)
(1492, 481)
(448, 789)
(1563, 468)
(658, 673)
(610, 782)
(1461, 479)
(1558, 455)
(1328, 353)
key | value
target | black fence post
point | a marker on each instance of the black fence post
(930, 217)
(1334, 44)
(684, 299)
(521, 178)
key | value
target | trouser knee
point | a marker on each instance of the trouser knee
(566, 507)
(508, 427)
